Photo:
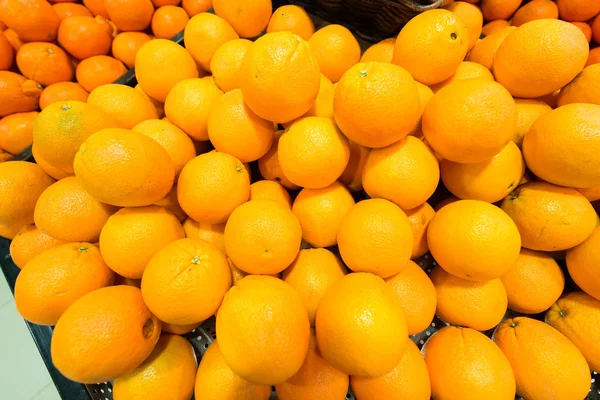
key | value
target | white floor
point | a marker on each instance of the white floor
(23, 375)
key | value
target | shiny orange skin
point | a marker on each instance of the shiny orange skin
(293, 19)
(62, 91)
(535, 9)
(130, 15)
(17, 93)
(270, 190)
(483, 52)
(126, 45)
(84, 37)
(7, 53)
(581, 262)
(28, 243)
(207, 232)
(497, 9)
(168, 21)
(495, 26)
(32, 20)
(98, 70)
(336, 50)
(248, 19)
(66, 10)
(194, 7)
(227, 63)
(14, 39)
(472, 16)
(16, 132)
(45, 63)
(204, 34)
(382, 51)
(96, 7)
(419, 218)
(577, 10)
(270, 167)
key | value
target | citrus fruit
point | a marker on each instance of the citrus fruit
(168, 21)
(227, 63)
(581, 262)
(528, 111)
(62, 91)
(293, 19)
(84, 36)
(126, 45)
(211, 233)
(535, 9)
(127, 106)
(33, 21)
(204, 34)
(130, 15)
(44, 63)
(18, 93)
(471, 16)
(28, 243)
(270, 190)
(382, 51)
(582, 89)
(270, 168)
(419, 218)
(335, 49)
(16, 132)
(248, 19)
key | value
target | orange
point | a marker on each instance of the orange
(577, 10)
(288, 82)
(84, 36)
(14, 39)
(62, 91)
(16, 132)
(323, 106)
(169, 371)
(132, 236)
(7, 52)
(352, 175)
(235, 129)
(550, 217)
(237, 274)
(490, 180)
(582, 261)
(484, 51)
(204, 34)
(96, 7)
(533, 283)
(473, 240)
(465, 364)
(168, 21)
(382, 51)
(592, 194)
(178, 329)
(227, 63)
(269, 165)
(126, 45)
(585, 28)
(406, 173)
(321, 211)
(543, 360)
(466, 70)
(556, 47)
(127, 106)
(28, 243)
(62, 127)
(47, 168)
(313, 153)
(408, 380)
(495, 26)
(595, 25)
(179, 145)
(215, 378)
(112, 163)
(471, 16)
(477, 305)
(375, 236)
(211, 186)
(160, 3)
(213, 234)
(316, 379)
(583, 89)
(32, 20)
(419, 218)
(193, 7)
(360, 325)
(120, 326)
(574, 126)
(576, 315)
(499, 9)
(130, 15)
(10, 231)
(45, 63)
(98, 70)
(335, 49)
(417, 296)
(67, 212)
(262, 237)
(594, 57)
(291, 18)
(536, 9)
(185, 281)
(17, 94)
(270, 190)
(248, 19)
(66, 10)
(528, 111)
(251, 341)
(158, 105)
(189, 103)
(474, 125)
(160, 64)
(311, 274)
(432, 56)
(56, 278)
(21, 184)
(170, 203)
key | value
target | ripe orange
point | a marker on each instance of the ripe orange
(406, 173)
(419, 218)
(168, 21)
(417, 296)
(32, 20)
(270, 190)
(484, 51)
(56, 278)
(204, 34)
(47, 168)
(171, 204)
(10, 231)
(543, 360)
(96, 7)
(7, 52)
(311, 274)
(18, 93)
(352, 175)
(344, 333)
(98, 70)
(126, 45)
(185, 281)
(382, 51)
(473, 240)
(269, 165)
(472, 16)
(585, 28)
(45, 63)
(335, 49)
(127, 106)
(592, 194)
(323, 106)
(130, 15)
(16, 132)
(291, 18)
(594, 57)
(466, 70)
(62, 91)
(577, 10)
(262, 237)
(177, 329)
(66, 10)
(209, 233)
(582, 261)
(248, 19)
(118, 324)
(253, 341)
(535, 9)
(465, 364)
(595, 30)
(495, 26)
(227, 63)
(211, 186)
(28, 243)
(528, 111)
(583, 89)
(498, 9)
(84, 36)
(194, 7)
(425, 94)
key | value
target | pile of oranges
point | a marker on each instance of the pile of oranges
(285, 185)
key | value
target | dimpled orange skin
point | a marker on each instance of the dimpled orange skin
(185, 281)
(494, 26)
(483, 52)
(575, 127)
(360, 325)
(473, 240)
(582, 263)
(477, 305)
(211, 186)
(16, 132)
(376, 104)
(54, 172)
(592, 194)
(270, 168)
(432, 45)
(544, 361)
(32, 20)
(585, 88)
(550, 217)
(323, 106)
(62, 91)
(293, 19)
(132, 236)
(127, 106)
(18, 94)
(499, 9)
(528, 111)
(336, 50)
(248, 19)
(409, 380)
(270, 190)
(44, 63)
(28, 243)
(417, 296)
(215, 378)
(130, 15)
(56, 278)
(227, 63)
(465, 364)
(472, 16)
(352, 175)
(577, 316)
(470, 121)
(124, 168)
(534, 282)
(98, 70)
(382, 51)
(126, 45)
(321, 211)
(419, 218)
(577, 10)
(207, 232)
(375, 236)
(204, 34)
(262, 237)
(535, 9)
(263, 330)
(466, 70)
(168, 21)
(406, 173)
(556, 47)
(280, 77)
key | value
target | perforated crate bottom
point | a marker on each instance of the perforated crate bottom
(203, 336)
